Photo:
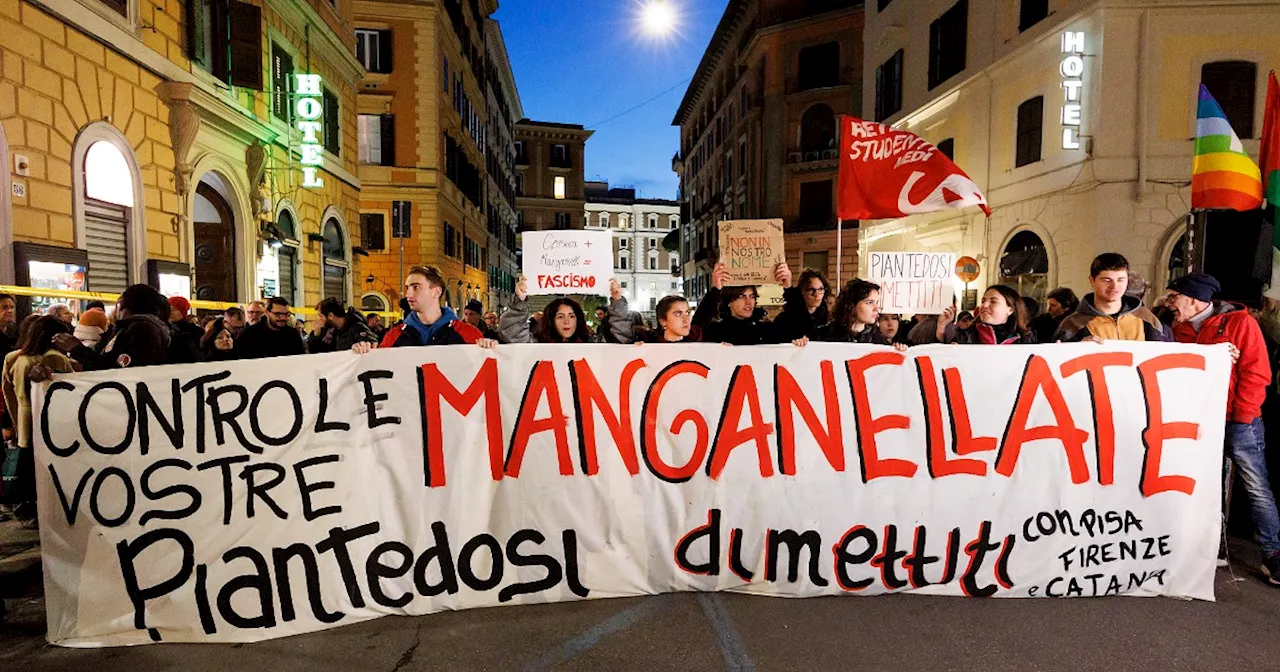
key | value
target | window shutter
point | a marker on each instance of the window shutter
(332, 126)
(374, 231)
(246, 45)
(384, 51)
(281, 71)
(197, 24)
(388, 140)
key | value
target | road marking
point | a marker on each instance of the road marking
(585, 641)
(731, 646)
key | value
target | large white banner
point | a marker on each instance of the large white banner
(244, 501)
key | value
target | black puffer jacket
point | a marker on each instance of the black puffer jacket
(755, 330)
(139, 340)
(831, 333)
(795, 320)
(354, 330)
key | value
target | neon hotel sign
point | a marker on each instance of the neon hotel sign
(310, 109)
(1072, 71)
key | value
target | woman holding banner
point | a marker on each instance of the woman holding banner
(563, 320)
(857, 311)
(740, 321)
(35, 350)
(675, 322)
(1001, 321)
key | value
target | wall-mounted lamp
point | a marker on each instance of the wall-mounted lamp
(315, 237)
(369, 279)
(357, 250)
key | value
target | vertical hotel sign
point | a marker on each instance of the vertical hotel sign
(310, 109)
(1072, 71)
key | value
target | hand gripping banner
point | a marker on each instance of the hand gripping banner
(241, 501)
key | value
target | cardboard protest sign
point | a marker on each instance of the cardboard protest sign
(751, 249)
(568, 262)
(236, 502)
(913, 283)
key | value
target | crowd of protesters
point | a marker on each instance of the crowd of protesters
(146, 328)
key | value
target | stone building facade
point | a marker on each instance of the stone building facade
(1076, 119)
(642, 262)
(136, 133)
(757, 131)
(426, 136)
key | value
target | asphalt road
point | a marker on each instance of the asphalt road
(732, 632)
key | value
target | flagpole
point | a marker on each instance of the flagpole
(839, 250)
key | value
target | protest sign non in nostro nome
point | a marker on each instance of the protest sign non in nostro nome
(237, 502)
(750, 250)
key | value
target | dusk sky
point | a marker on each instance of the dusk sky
(584, 61)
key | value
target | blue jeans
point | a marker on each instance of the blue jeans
(1246, 446)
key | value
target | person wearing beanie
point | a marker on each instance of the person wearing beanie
(473, 314)
(184, 337)
(1198, 318)
(91, 327)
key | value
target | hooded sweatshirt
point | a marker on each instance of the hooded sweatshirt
(1133, 323)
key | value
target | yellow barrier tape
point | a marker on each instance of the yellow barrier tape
(110, 299)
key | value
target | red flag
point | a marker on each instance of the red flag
(886, 173)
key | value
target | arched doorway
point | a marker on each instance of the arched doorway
(1024, 265)
(818, 129)
(287, 256)
(335, 261)
(108, 201)
(373, 302)
(213, 222)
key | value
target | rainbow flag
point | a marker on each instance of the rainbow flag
(1223, 177)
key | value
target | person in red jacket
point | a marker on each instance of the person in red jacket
(1200, 319)
(426, 322)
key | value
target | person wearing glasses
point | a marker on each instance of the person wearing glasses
(271, 336)
(739, 320)
(805, 305)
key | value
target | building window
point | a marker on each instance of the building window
(335, 261)
(948, 42)
(332, 123)
(817, 129)
(522, 159)
(819, 66)
(817, 261)
(653, 266)
(562, 220)
(1031, 13)
(120, 7)
(1030, 131)
(604, 220)
(373, 230)
(281, 77)
(560, 156)
(622, 262)
(377, 139)
(519, 185)
(373, 49)
(653, 222)
(948, 148)
(815, 204)
(1024, 266)
(225, 38)
(558, 190)
(1233, 85)
(622, 243)
(450, 241)
(889, 87)
(446, 74)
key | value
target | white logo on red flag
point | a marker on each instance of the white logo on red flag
(886, 173)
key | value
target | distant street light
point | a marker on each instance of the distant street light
(659, 17)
